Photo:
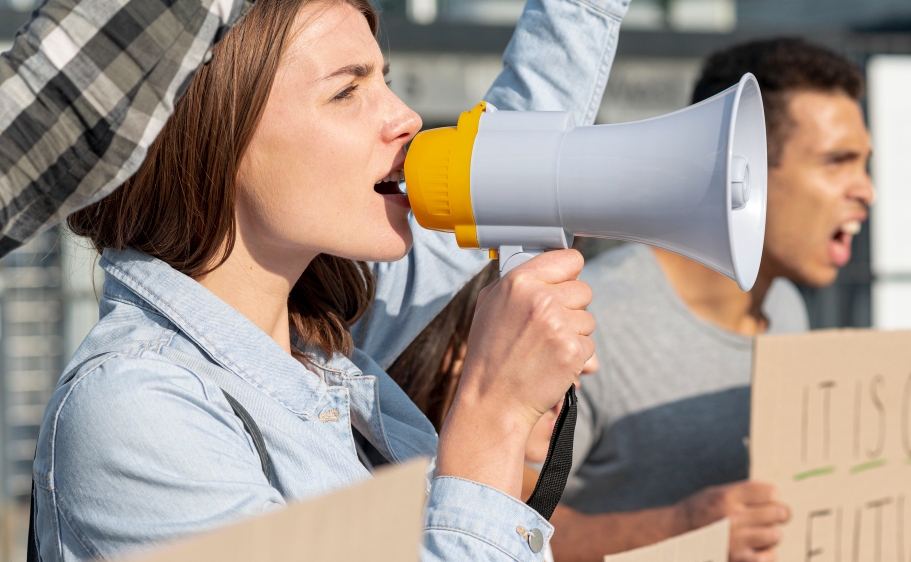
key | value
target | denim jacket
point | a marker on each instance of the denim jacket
(139, 445)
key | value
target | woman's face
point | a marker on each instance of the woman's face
(331, 130)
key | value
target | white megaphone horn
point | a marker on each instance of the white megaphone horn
(521, 182)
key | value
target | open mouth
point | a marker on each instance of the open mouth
(840, 243)
(390, 185)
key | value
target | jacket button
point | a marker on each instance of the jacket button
(534, 537)
(535, 540)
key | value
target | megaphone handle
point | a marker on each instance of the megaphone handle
(559, 460)
(555, 470)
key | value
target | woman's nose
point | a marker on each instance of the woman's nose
(403, 122)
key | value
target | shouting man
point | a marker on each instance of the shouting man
(661, 441)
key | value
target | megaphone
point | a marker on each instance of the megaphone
(518, 183)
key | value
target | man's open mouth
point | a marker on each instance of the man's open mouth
(840, 243)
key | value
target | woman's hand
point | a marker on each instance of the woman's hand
(528, 344)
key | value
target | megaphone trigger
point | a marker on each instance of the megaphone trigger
(512, 257)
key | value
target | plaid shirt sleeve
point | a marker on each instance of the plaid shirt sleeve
(85, 89)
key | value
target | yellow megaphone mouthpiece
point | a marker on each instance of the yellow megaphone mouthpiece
(438, 176)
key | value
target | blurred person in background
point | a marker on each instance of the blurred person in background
(661, 441)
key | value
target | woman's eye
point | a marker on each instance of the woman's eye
(345, 94)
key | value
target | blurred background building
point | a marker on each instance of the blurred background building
(444, 54)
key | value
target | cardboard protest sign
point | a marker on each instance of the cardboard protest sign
(708, 544)
(380, 520)
(831, 428)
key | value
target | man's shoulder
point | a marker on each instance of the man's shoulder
(622, 274)
(785, 308)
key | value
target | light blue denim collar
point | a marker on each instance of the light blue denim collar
(223, 333)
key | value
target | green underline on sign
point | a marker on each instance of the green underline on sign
(868, 465)
(815, 472)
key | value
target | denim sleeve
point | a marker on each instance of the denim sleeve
(106, 474)
(558, 59)
(465, 520)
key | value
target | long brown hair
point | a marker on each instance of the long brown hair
(428, 370)
(179, 206)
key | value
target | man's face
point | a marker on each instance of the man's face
(819, 192)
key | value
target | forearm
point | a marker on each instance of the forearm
(580, 537)
(82, 102)
(483, 446)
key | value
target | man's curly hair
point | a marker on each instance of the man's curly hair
(783, 66)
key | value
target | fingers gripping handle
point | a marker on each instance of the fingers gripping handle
(555, 471)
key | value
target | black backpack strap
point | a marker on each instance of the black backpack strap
(32, 552)
(255, 433)
(559, 460)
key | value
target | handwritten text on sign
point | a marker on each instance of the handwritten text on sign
(831, 428)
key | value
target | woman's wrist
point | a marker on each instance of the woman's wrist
(485, 443)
